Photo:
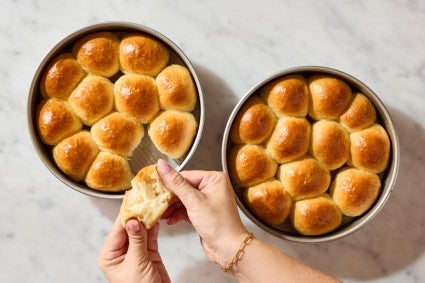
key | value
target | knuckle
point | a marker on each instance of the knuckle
(177, 180)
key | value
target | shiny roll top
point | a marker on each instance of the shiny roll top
(308, 143)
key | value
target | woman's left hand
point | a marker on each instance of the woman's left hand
(131, 254)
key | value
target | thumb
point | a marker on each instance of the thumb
(137, 241)
(173, 181)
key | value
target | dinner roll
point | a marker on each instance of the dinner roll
(250, 165)
(75, 154)
(359, 115)
(140, 54)
(92, 99)
(354, 191)
(290, 139)
(137, 96)
(172, 132)
(304, 178)
(330, 97)
(110, 173)
(315, 216)
(176, 89)
(98, 53)
(287, 96)
(56, 121)
(268, 201)
(117, 134)
(370, 149)
(330, 144)
(61, 77)
(253, 124)
(148, 198)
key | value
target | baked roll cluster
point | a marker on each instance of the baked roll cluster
(307, 150)
(100, 95)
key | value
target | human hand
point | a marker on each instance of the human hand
(207, 201)
(131, 254)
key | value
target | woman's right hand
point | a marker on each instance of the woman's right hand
(208, 202)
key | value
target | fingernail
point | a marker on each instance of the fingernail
(133, 225)
(163, 167)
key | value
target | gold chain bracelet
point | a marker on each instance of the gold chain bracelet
(239, 253)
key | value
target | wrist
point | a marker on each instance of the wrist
(229, 253)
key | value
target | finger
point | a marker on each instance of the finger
(115, 241)
(178, 215)
(193, 177)
(137, 241)
(171, 208)
(153, 237)
(153, 253)
(202, 179)
(176, 183)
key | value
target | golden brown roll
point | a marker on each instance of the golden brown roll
(172, 132)
(253, 124)
(93, 99)
(330, 97)
(140, 54)
(148, 198)
(268, 201)
(287, 96)
(304, 178)
(315, 216)
(137, 96)
(290, 139)
(354, 191)
(98, 53)
(360, 114)
(250, 165)
(176, 89)
(110, 173)
(117, 134)
(56, 121)
(370, 149)
(61, 77)
(75, 154)
(330, 144)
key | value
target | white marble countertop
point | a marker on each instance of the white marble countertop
(50, 233)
